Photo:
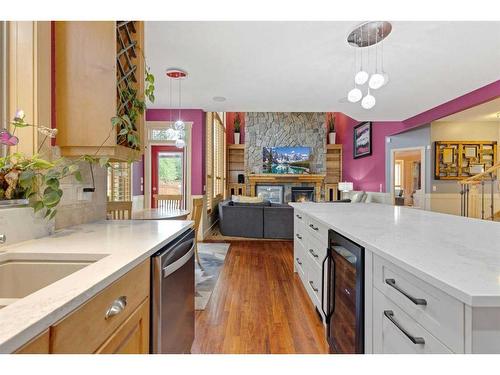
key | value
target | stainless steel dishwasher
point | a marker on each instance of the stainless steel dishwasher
(172, 296)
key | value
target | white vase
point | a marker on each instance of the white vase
(331, 138)
(236, 138)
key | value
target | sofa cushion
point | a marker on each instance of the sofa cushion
(251, 204)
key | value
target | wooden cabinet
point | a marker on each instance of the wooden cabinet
(90, 66)
(132, 337)
(309, 251)
(116, 320)
(38, 345)
(235, 166)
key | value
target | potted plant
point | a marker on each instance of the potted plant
(237, 124)
(331, 130)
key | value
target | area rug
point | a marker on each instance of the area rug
(212, 257)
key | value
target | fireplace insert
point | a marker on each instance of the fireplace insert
(303, 194)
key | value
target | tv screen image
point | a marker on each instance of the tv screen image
(286, 160)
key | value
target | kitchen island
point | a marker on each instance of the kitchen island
(453, 261)
(111, 250)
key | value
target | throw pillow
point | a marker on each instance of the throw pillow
(357, 197)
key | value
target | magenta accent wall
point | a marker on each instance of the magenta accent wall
(197, 117)
(368, 173)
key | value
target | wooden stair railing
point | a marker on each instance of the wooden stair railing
(479, 180)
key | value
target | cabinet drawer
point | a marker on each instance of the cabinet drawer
(315, 250)
(314, 286)
(388, 336)
(298, 218)
(436, 311)
(300, 232)
(86, 329)
(317, 229)
(299, 259)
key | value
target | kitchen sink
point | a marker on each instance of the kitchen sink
(23, 274)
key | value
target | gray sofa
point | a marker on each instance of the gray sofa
(256, 220)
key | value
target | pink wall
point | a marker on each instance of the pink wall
(197, 117)
(368, 173)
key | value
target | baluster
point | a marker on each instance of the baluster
(482, 199)
(492, 204)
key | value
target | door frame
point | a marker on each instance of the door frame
(162, 149)
(148, 156)
(422, 172)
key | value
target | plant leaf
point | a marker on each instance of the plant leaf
(37, 206)
(78, 176)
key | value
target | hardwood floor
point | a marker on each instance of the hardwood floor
(259, 305)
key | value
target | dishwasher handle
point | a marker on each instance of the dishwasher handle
(171, 268)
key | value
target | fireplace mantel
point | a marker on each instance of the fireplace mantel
(271, 178)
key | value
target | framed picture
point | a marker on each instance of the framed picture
(476, 168)
(362, 140)
(448, 155)
(470, 152)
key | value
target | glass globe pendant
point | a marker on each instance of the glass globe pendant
(179, 125)
(361, 77)
(368, 101)
(179, 143)
(354, 95)
(377, 80)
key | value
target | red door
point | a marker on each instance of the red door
(167, 171)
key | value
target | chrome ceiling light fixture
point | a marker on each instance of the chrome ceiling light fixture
(179, 126)
(365, 35)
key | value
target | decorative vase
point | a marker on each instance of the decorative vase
(331, 138)
(236, 138)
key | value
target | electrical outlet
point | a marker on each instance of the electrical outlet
(434, 188)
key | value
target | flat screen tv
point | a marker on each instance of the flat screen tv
(286, 160)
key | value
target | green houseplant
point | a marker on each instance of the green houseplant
(37, 178)
(237, 125)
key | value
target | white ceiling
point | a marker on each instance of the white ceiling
(486, 112)
(309, 67)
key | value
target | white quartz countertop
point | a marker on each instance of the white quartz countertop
(119, 246)
(459, 255)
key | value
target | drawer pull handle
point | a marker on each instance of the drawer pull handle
(416, 301)
(299, 217)
(312, 285)
(313, 253)
(298, 261)
(298, 236)
(389, 314)
(116, 307)
(313, 227)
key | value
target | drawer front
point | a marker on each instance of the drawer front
(317, 229)
(314, 286)
(299, 218)
(86, 329)
(315, 250)
(300, 232)
(441, 315)
(299, 260)
(388, 337)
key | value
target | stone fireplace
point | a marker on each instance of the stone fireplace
(302, 194)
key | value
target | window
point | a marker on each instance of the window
(119, 182)
(215, 158)
(398, 174)
(164, 134)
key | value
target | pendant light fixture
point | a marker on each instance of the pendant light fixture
(355, 94)
(179, 126)
(365, 35)
(362, 76)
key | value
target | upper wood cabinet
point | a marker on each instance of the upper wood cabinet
(93, 62)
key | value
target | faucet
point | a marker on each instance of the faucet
(3, 238)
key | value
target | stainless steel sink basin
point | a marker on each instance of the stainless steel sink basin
(22, 274)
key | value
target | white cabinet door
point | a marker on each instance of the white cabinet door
(395, 332)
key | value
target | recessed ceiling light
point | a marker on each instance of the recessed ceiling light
(219, 99)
